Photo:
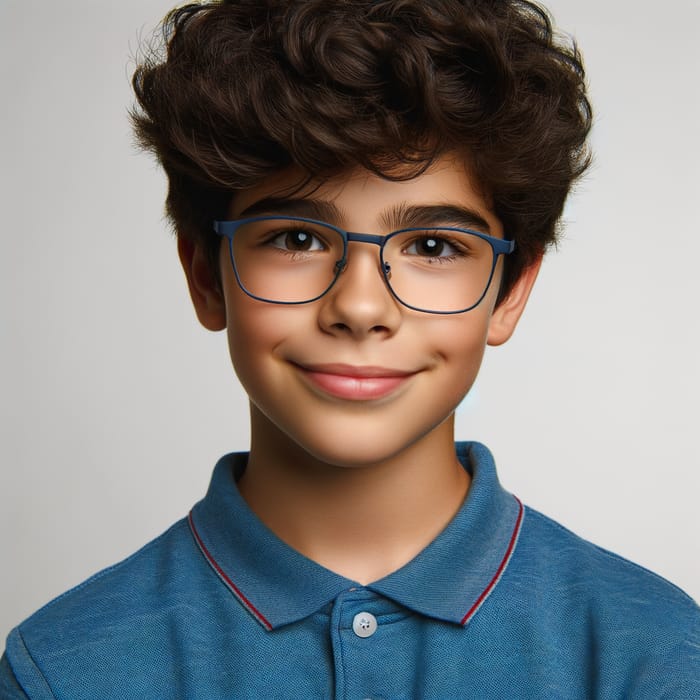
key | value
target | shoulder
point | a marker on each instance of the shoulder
(626, 620)
(128, 584)
(571, 561)
(108, 616)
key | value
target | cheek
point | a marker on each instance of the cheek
(461, 338)
(256, 332)
(250, 332)
(250, 323)
(458, 343)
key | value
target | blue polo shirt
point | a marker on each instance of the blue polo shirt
(505, 603)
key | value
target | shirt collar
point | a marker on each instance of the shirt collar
(449, 580)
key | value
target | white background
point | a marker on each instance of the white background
(115, 404)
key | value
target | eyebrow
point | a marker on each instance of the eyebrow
(398, 216)
(410, 215)
(309, 208)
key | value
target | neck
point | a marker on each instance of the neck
(361, 522)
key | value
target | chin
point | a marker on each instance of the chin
(354, 459)
(359, 449)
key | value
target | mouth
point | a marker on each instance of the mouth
(353, 382)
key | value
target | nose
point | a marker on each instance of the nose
(360, 303)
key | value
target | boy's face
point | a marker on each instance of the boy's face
(355, 378)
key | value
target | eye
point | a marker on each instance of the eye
(296, 240)
(431, 246)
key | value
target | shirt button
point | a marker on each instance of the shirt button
(364, 624)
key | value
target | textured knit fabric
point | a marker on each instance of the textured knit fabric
(503, 604)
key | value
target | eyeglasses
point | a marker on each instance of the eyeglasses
(294, 260)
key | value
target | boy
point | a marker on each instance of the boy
(346, 180)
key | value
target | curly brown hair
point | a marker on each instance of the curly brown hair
(248, 87)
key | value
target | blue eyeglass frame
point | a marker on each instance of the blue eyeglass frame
(499, 246)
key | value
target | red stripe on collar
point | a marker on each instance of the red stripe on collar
(501, 568)
(235, 590)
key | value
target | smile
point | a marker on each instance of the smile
(355, 383)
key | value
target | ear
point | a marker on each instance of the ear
(506, 315)
(205, 291)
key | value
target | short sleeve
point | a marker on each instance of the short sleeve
(676, 676)
(9, 688)
(20, 678)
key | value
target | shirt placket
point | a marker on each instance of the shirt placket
(362, 638)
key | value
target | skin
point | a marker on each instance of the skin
(359, 486)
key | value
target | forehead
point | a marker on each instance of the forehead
(363, 199)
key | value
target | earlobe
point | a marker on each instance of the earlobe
(506, 315)
(205, 290)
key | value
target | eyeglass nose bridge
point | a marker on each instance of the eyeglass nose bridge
(355, 237)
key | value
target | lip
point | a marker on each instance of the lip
(353, 382)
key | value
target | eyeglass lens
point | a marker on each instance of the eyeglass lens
(289, 261)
